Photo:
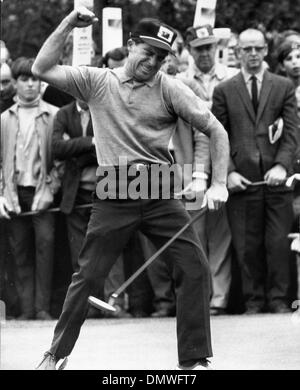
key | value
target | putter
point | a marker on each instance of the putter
(288, 181)
(99, 304)
(53, 210)
(257, 183)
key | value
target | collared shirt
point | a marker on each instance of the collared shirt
(135, 119)
(203, 85)
(28, 160)
(88, 174)
(206, 82)
(259, 79)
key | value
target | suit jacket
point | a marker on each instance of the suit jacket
(252, 153)
(44, 118)
(77, 151)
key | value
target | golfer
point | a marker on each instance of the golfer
(134, 110)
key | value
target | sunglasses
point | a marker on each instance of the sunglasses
(249, 49)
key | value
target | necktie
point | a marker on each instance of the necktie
(254, 93)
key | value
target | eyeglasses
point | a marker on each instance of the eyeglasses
(249, 49)
(5, 81)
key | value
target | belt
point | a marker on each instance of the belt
(136, 166)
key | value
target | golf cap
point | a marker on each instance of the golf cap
(200, 36)
(155, 33)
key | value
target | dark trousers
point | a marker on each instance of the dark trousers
(77, 223)
(260, 222)
(32, 245)
(111, 224)
(8, 291)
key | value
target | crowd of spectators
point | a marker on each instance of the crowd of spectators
(48, 162)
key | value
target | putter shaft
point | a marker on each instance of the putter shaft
(123, 287)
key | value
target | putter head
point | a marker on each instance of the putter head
(98, 304)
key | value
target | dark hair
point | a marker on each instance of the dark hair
(284, 50)
(117, 54)
(22, 67)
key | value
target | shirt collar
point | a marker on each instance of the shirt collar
(218, 71)
(79, 109)
(258, 75)
(124, 77)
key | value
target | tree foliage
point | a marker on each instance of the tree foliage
(273, 15)
(27, 23)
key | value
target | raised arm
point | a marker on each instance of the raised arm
(63, 146)
(46, 65)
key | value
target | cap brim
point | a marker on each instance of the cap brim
(157, 43)
(203, 41)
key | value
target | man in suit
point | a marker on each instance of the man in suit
(260, 215)
(73, 143)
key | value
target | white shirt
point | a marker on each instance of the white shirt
(28, 160)
(208, 81)
(88, 174)
(259, 79)
(84, 118)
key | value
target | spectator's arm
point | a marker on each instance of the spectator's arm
(87, 159)
(64, 149)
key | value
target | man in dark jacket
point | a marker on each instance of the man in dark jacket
(258, 110)
(73, 143)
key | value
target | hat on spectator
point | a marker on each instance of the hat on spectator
(155, 33)
(285, 48)
(200, 36)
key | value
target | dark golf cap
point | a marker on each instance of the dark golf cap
(200, 36)
(155, 33)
